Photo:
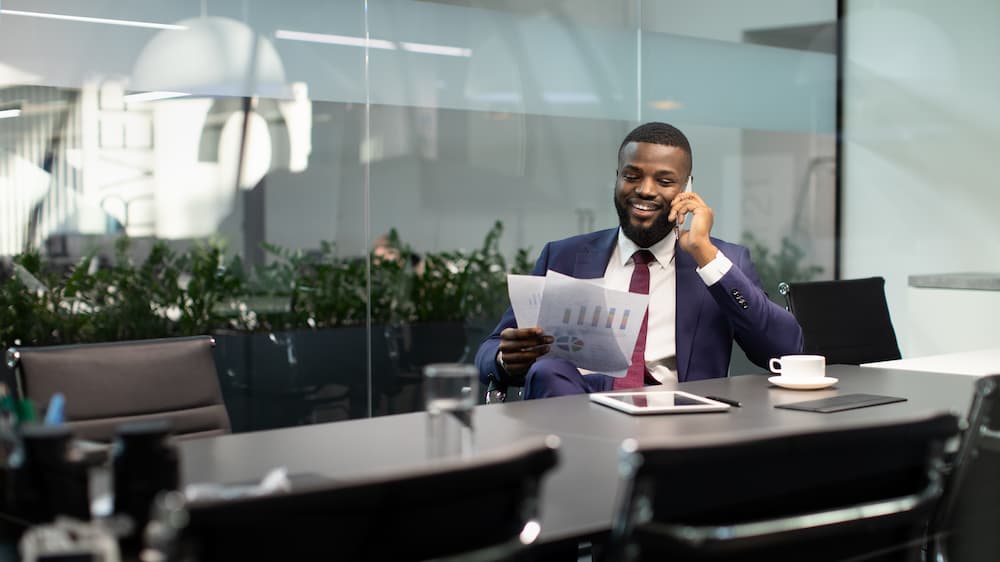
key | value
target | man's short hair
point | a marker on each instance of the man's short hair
(658, 133)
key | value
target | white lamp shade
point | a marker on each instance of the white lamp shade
(212, 56)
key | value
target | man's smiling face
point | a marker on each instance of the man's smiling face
(649, 177)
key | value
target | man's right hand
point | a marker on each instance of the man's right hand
(519, 348)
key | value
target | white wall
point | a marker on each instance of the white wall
(920, 191)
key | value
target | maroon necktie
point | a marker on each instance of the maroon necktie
(635, 376)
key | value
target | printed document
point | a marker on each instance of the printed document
(594, 327)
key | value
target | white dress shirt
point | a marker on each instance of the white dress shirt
(661, 341)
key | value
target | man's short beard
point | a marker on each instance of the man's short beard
(643, 237)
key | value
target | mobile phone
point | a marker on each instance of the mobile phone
(687, 218)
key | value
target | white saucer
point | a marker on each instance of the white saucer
(796, 384)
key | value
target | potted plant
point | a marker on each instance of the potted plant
(775, 267)
(292, 336)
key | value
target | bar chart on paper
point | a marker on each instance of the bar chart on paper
(608, 319)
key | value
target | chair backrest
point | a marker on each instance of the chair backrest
(480, 508)
(108, 384)
(846, 320)
(826, 495)
(967, 525)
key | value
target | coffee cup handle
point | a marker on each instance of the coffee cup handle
(775, 361)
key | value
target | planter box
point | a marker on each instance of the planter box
(298, 377)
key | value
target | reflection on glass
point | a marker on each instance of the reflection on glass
(253, 125)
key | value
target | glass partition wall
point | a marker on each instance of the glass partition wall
(336, 190)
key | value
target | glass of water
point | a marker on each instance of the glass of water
(451, 391)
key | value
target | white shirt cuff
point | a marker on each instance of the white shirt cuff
(715, 269)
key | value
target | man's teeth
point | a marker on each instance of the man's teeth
(645, 206)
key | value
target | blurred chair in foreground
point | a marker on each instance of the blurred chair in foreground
(846, 320)
(108, 384)
(967, 525)
(483, 508)
(863, 493)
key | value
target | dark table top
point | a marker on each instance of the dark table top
(579, 495)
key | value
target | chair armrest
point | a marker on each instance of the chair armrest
(698, 535)
(496, 391)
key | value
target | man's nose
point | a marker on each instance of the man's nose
(646, 187)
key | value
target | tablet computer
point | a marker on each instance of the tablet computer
(657, 402)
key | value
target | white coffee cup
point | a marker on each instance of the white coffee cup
(799, 366)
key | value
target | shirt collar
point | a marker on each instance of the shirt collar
(663, 250)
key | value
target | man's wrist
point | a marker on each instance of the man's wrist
(704, 254)
(500, 363)
(714, 270)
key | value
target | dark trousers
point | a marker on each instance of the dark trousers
(550, 376)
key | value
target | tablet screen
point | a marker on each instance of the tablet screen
(657, 402)
(658, 399)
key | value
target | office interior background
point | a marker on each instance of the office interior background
(320, 127)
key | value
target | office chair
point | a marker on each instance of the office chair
(847, 320)
(408, 348)
(860, 493)
(966, 525)
(499, 392)
(107, 384)
(299, 377)
(483, 508)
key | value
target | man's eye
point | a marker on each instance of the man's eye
(666, 183)
(630, 178)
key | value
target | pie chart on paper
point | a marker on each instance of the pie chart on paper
(569, 343)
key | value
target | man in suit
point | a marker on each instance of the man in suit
(704, 292)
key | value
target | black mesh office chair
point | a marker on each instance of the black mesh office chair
(847, 320)
(857, 493)
(967, 525)
(484, 508)
(108, 384)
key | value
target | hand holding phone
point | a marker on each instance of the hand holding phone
(697, 219)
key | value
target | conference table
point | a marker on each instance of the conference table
(578, 496)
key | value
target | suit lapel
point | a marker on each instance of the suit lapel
(592, 259)
(690, 297)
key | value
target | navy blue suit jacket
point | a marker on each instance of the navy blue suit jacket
(708, 319)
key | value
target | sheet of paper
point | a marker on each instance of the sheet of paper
(525, 293)
(593, 327)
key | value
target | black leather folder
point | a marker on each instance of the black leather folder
(841, 403)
